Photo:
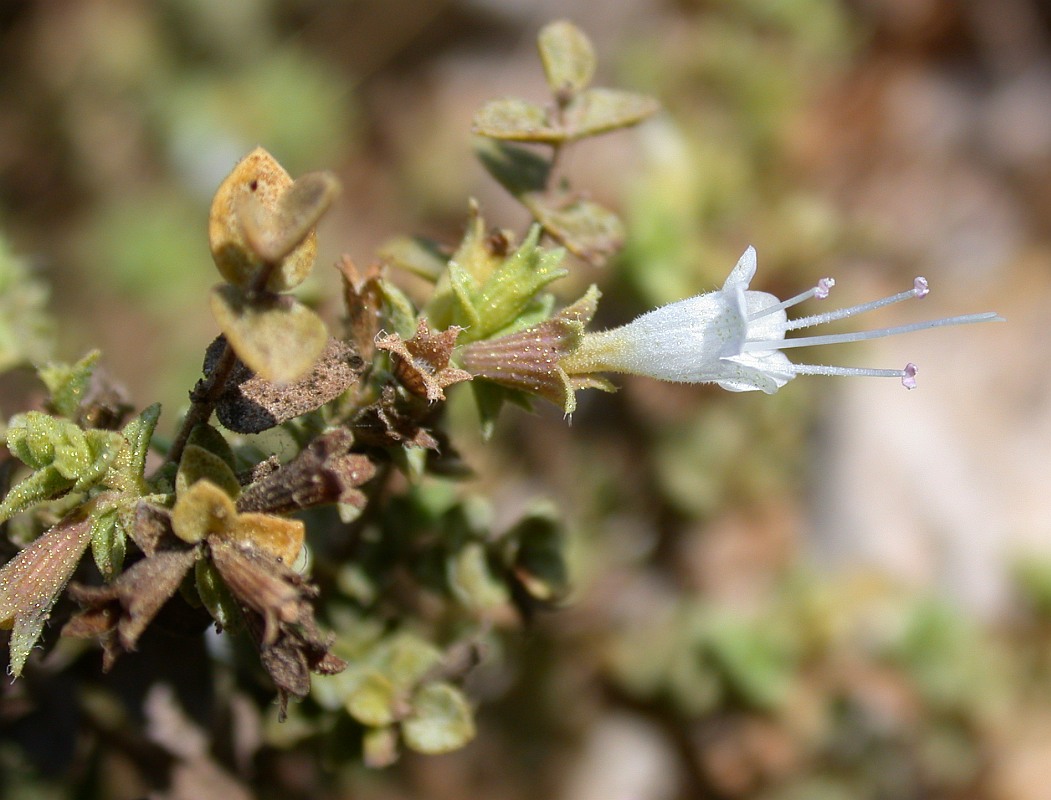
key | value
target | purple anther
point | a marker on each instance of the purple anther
(920, 288)
(908, 375)
(823, 286)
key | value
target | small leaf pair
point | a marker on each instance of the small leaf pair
(261, 232)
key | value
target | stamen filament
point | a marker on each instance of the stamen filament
(919, 290)
(865, 372)
(820, 291)
(857, 336)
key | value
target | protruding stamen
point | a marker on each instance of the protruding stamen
(857, 336)
(864, 372)
(908, 375)
(820, 291)
(843, 313)
(919, 287)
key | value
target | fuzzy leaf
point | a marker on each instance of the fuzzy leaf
(281, 537)
(41, 485)
(441, 720)
(108, 543)
(202, 510)
(67, 383)
(66, 458)
(517, 121)
(130, 464)
(32, 437)
(278, 338)
(252, 404)
(586, 229)
(596, 111)
(567, 55)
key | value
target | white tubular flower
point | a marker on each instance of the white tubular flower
(735, 337)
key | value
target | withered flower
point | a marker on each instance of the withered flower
(389, 423)
(422, 362)
(325, 471)
(31, 582)
(119, 613)
(278, 611)
(363, 299)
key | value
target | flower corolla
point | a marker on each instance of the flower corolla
(735, 337)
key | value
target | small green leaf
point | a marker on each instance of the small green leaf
(373, 699)
(278, 338)
(471, 580)
(596, 111)
(108, 543)
(398, 310)
(539, 562)
(200, 464)
(406, 658)
(210, 439)
(517, 169)
(32, 437)
(41, 485)
(216, 597)
(567, 55)
(130, 463)
(517, 121)
(65, 456)
(416, 255)
(101, 451)
(67, 383)
(586, 229)
(441, 720)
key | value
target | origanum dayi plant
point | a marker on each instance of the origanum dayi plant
(307, 545)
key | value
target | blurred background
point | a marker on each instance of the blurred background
(839, 591)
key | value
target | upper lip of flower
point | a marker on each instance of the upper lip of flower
(757, 317)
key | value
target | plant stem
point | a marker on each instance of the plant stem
(209, 389)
